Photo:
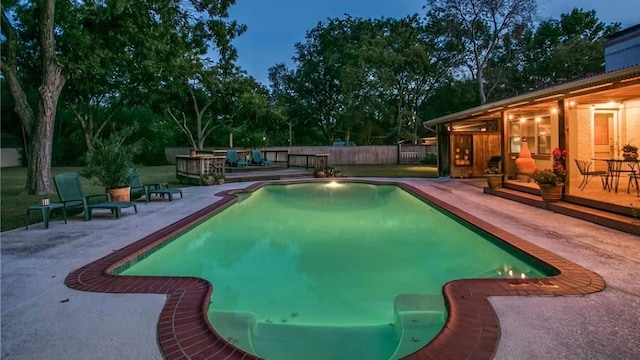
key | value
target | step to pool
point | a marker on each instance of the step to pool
(290, 341)
(419, 318)
(235, 327)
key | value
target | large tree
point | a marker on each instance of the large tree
(564, 49)
(479, 26)
(109, 52)
(38, 124)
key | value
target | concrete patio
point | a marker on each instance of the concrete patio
(42, 318)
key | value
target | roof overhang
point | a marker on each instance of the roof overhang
(591, 84)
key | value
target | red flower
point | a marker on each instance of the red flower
(559, 158)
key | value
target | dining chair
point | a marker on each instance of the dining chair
(584, 167)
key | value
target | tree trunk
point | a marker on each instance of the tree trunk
(39, 170)
(480, 79)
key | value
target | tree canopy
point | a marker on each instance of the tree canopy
(165, 70)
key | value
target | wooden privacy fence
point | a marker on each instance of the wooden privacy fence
(337, 155)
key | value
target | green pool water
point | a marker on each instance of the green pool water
(332, 271)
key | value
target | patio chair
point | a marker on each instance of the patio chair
(71, 196)
(257, 158)
(138, 189)
(584, 167)
(232, 158)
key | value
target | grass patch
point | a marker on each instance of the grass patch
(14, 199)
(394, 171)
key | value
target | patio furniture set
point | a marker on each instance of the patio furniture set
(616, 167)
(73, 199)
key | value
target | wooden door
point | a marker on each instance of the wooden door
(603, 137)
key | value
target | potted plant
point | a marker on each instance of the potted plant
(629, 151)
(108, 164)
(494, 177)
(549, 183)
(208, 179)
(219, 178)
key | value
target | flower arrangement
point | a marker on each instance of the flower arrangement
(559, 163)
(628, 148)
(546, 177)
(492, 171)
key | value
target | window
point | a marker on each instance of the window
(544, 135)
(536, 131)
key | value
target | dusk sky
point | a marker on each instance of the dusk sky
(274, 26)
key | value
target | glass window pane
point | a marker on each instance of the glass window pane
(544, 135)
(514, 136)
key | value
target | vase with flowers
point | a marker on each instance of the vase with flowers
(549, 183)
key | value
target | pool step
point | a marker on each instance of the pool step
(419, 317)
(375, 342)
(234, 326)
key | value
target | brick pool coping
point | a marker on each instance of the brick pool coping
(471, 330)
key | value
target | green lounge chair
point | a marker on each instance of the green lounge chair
(256, 155)
(232, 158)
(138, 189)
(71, 196)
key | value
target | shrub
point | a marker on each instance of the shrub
(430, 159)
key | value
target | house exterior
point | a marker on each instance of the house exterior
(592, 118)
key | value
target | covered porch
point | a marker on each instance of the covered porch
(592, 119)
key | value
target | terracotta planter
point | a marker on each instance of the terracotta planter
(494, 180)
(122, 194)
(551, 193)
(319, 174)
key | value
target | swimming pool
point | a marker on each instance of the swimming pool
(471, 329)
(332, 270)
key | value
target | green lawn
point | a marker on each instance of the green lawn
(14, 199)
(425, 171)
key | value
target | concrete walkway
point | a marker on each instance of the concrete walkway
(43, 319)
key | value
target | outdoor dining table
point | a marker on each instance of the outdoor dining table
(615, 167)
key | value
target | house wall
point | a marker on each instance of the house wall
(483, 145)
(632, 122)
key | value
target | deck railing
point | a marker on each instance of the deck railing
(191, 169)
